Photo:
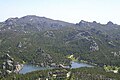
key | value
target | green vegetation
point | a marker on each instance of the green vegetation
(44, 41)
(42, 47)
(113, 69)
(72, 57)
(66, 74)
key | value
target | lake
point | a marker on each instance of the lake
(78, 65)
(29, 68)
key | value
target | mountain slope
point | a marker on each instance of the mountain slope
(33, 23)
(39, 40)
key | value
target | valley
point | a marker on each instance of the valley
(46, 42)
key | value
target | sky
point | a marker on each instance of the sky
(66, 10)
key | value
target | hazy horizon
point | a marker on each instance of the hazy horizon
(66, 10)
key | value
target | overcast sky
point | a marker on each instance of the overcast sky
(66, 10)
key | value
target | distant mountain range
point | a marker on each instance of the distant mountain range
(31, 38)
(42, 23)
(34, 22)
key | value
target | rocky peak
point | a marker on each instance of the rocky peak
(110, 23)
(33, 18)
(83, 23)
(94, 22)
(11, 21)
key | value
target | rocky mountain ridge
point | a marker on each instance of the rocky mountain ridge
(42, 23)
(33, 22)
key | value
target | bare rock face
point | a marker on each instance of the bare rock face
(84, 34)
(94, 46)
(78, 34)
(111, 44)
(116, 54)
(9, 65)
(49, 34)
(11, 21)
(19, 45)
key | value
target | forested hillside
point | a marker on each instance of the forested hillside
(44, 42)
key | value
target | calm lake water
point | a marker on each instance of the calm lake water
(30, 68)
(78, 65)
